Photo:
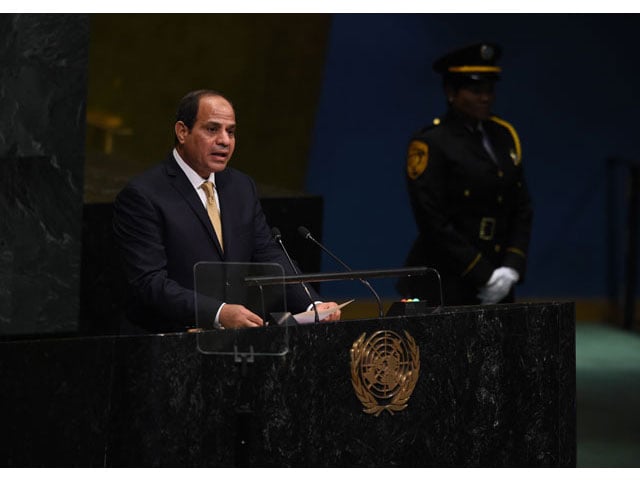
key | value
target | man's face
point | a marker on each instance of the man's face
(208, 146)
(474, 100)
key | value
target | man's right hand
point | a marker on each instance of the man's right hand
(237, 316)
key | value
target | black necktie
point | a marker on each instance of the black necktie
(486, 143)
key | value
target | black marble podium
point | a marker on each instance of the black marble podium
(496, 388)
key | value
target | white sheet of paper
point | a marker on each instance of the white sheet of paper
(310, 316)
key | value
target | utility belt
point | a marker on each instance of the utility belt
(485, 229)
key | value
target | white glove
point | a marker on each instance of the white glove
(498, 286)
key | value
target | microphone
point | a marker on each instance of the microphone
(278, 238)
(306, 234)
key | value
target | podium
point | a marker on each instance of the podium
(495, 388)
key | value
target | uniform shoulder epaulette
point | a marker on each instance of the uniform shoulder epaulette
(426, 128)
(514, 135)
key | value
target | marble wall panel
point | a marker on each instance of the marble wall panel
(43, 86)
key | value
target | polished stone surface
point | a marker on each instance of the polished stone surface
(496, 388)
(42, 109)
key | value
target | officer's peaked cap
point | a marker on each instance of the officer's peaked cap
(473, 62)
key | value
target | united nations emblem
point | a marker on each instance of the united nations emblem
(384, 370)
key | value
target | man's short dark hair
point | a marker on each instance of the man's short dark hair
(188, 107)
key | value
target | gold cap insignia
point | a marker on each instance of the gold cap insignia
(384, 370)
(487, 52)
(417, 159)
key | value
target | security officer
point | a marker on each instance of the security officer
(467, 190)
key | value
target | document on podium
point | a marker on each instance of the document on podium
(310, 315)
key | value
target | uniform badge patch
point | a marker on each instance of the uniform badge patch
(417, 159)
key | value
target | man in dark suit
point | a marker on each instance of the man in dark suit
(169, 218)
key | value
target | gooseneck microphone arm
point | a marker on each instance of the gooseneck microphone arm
(306, 234)
(278, 238)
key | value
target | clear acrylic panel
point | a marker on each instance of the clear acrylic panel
(257, 286)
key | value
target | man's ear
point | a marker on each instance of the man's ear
(181, 131)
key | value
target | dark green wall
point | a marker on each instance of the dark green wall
(140, 65)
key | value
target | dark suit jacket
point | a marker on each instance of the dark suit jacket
(162, 230)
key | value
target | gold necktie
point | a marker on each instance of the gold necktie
(213, 211)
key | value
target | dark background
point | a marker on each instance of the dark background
(568, 87)
(325, 106)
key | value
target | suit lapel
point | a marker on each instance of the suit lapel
(498, 147)
(181, 183)
(473, 142)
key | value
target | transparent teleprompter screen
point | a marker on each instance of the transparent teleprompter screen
(257, 286)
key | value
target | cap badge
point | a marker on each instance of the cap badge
(486, 52)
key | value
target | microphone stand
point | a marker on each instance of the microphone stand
(306, 234)
(278, 237)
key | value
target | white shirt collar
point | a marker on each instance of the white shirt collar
(195, 179)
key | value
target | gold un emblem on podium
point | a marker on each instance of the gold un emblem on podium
(384, 370)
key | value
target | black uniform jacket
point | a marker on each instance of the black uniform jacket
(162, 230)
(473, 212)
